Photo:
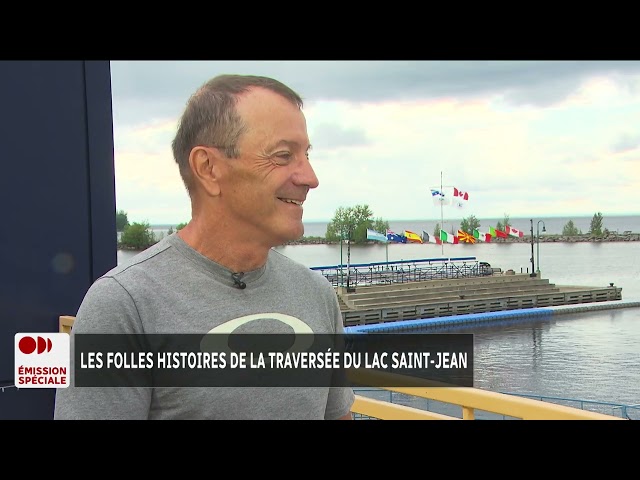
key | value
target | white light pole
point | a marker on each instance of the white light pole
(544, 229)
(341, 270)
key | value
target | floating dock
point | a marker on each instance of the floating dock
(465, 320)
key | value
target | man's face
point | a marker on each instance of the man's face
(263, 190)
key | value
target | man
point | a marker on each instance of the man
(243, 153)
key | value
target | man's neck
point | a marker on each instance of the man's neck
(234, 252)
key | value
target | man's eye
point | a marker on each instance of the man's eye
(282, 157)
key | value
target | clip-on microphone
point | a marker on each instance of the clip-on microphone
(237, 282)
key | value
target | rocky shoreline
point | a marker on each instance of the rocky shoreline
(611, 237)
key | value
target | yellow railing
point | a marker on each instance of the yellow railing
(471, 400)
(468, 399)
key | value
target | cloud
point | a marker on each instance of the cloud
(527, 138)
(329, 135)
(527, 82)
(626, 142)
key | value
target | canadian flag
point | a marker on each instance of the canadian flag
(513, 232)
(460, 194)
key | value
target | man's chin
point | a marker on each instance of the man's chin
(292, 234)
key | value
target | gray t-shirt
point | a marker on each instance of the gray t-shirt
(171, 288)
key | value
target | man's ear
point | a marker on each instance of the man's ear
(205, 168)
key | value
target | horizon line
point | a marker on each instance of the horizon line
(535, 217)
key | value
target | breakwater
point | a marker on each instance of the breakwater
(611, 237)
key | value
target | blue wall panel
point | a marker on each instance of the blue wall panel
(57, 193)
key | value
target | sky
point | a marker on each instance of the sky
(521, 138)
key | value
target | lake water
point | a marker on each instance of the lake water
(591, 356)
(553, 225)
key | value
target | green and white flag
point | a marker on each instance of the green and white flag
(448, 237)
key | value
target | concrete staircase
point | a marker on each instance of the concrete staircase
(343, 306)
(435, 298)
(416, 293)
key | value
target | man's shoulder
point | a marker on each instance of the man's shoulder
(113, 299)
(152, 258)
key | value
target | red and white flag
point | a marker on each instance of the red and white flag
(459, 194)
(513, 232)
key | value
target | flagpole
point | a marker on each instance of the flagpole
(441, 213)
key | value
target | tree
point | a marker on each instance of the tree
(504, 223)
(351, 222)
(121, 220)
(180, 226)
(380, 226)
(137, 236)
(338, 226)
(469, 224)
(436, 230)
(596, 225)
(570, 230)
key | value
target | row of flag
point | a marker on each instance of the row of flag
(408, 236)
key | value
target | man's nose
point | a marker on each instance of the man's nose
(305, 175)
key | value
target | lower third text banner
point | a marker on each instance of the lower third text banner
(270, 360)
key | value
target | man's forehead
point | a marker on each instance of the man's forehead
(256, 97)
(261, 106)
(273, 118)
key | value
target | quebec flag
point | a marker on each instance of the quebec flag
(439, 197)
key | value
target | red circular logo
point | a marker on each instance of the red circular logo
(28, 345)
